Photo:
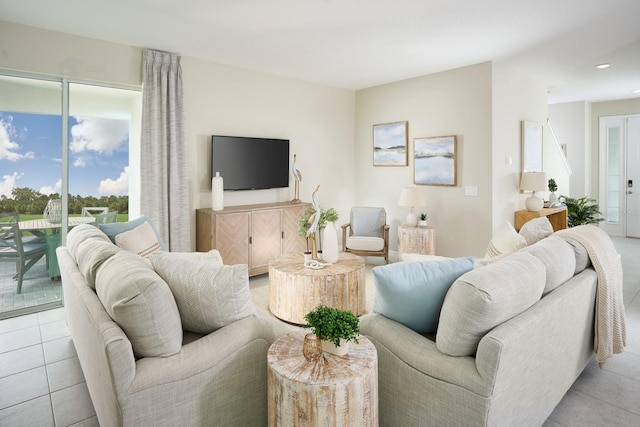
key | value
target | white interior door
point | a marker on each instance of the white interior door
(632, 183)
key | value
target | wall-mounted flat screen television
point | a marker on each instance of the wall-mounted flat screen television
(250, 163)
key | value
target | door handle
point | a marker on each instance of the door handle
(629, 192)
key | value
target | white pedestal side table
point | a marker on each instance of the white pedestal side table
(330, 391)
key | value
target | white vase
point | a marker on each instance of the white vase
(330, 243)
(329, 347)
(217, 192)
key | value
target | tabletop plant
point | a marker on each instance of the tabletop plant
(423, 216)
(552, 185)
(307, 218)
(332, 324)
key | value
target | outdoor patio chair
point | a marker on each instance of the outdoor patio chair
(107, 217)
(93, 210)
(14, 249)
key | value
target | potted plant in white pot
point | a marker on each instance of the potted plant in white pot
(334, 327)
(422, 222)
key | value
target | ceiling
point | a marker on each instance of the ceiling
(356, 44)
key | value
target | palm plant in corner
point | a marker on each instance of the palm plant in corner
(334, 327)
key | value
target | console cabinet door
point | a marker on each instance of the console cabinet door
(291, 242)
(266, 237)
(232, 237)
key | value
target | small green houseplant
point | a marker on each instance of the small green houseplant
(580, 211)
(307, 218)
(552, 185)
(423, 216)
(333, 325)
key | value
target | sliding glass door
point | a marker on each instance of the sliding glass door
(65, 145)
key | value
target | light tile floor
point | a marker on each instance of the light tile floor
(41, 383)
(38, 291)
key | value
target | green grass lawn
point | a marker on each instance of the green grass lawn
(124, 217)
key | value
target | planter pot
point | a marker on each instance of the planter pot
(338, 351)
(422, 223)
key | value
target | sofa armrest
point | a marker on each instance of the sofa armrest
(211, 352)
(422, 355)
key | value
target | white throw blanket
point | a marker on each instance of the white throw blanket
(610, 329)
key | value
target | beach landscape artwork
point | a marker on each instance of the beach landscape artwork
(435, 160)
(390, 144)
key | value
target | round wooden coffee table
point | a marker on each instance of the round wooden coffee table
(295, 290)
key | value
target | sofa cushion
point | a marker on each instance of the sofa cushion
(582, 257)
(112, 229)
(92, 253)
(412, 293)
(213, 256)
(79, 234)
(558, 258)
(209, 296)
(140, 302)
(485, 297)
(504, 241)
(536, 230)
(141, 240)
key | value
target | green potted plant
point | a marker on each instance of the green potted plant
(553, 187)
(308, 217)
(422, 222)
(583, 210)
(334, 327)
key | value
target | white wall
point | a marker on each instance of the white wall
(571, 123)
(318, 121)
(456, 102)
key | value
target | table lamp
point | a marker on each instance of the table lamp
(533, 181)
(411, 196)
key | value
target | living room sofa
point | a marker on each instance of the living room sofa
(217, 378)
(485, 366)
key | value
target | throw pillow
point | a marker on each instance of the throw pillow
(366, 221)
(114, 228)
(141, 240)
(213, 256)
(558, 258)
(92, 253)
(536, 230)
(140, 302)
(208, 296)
(505, 240)
(412, 293)
(79, 234)
(485, 297)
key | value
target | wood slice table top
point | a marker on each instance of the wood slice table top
(293, 263)
(295, 290)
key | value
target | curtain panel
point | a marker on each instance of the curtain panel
(163, 165)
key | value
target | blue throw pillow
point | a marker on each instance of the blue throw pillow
(112, 229)
(412, 293)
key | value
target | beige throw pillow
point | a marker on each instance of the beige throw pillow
(505, 240)
(140, 302)
(141, 240)
(536, 230)
(208, 296)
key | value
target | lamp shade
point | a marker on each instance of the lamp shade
(411, 196)
(533, 181)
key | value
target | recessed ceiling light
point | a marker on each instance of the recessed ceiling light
(603, 66)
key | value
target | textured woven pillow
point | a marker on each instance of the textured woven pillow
(536, 230)
(412, 293)
(92, 253)
(213, 256)
(366, 221)
(114, 228)
(485, 297)
(558, 258)
(504, 241)
(208, 296)
(141, 240)
(79, 234)
(140, 302)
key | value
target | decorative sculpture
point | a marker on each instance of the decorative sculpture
(297, 176)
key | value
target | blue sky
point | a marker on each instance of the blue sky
(31, 154)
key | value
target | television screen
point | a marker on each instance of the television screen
(250, 163)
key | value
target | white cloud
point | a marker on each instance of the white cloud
(7, 184)
(98, 134)
(116, 187)
(48, 190)
(81, 161)
(9, 149)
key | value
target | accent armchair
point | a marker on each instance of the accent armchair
(367, 233)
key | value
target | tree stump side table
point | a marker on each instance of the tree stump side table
(295, 290)
(330, 391)
(417, 240)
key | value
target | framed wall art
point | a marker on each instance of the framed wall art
(531, 146)
(434, 160)
(390, 144)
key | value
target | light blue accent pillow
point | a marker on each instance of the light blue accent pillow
(112, 229)
(412, 293)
